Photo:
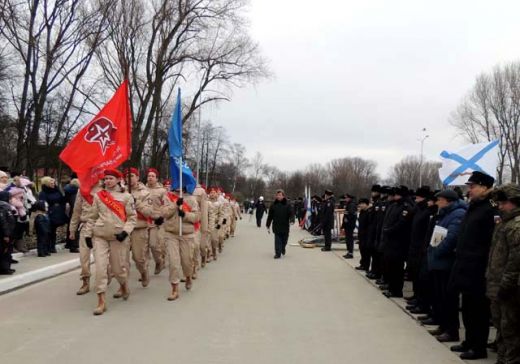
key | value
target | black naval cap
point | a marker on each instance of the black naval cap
(376, 188)
(328, 192)
(423, 191)
(364, 200)
(401, 190)
(479, 178)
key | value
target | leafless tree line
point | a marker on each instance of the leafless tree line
(66, 57)
(491, 111)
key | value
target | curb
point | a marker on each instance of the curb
(25, 279)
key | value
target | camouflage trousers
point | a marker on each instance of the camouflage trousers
(506, 319)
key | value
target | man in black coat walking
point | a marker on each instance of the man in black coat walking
(327, 219)
(280, 216)
(469, 270)
(349, 224)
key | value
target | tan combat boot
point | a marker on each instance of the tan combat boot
(175, 292)
(189, 283)
(122, 292)
(101, 307)
(145, 279)
(85, 288)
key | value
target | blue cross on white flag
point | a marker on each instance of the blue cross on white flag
(457, 166)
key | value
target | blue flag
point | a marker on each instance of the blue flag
(175, 148)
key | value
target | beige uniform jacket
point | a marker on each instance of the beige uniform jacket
(227, 211)
(236, 209)
(143, 205)
(81, 210)
(202, 200)
(158, 199)
(170, 211)
(215, 214)
(103, 223)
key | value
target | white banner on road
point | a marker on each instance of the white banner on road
(458, 165)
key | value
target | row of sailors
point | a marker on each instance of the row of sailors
(182, 231)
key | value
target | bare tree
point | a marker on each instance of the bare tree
(407, 172)
(53, 42)
(491, 111)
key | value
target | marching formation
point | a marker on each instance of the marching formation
(178, 230)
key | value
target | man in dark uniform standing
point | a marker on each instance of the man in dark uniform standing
(396, 240)
(387, 199)
(372, 230)
(349, 224)
(469, 270)
(327, 219)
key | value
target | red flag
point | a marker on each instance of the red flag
(105, 142)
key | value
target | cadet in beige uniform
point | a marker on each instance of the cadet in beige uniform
(179, 245)
(201, 237)
(78, 222)
(215, 217)
(156, 231)
(235, 208)
(112, 219)
(140, 236)
(226, 221)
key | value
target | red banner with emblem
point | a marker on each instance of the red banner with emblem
(104, 143)
(115, 206)
(185, 207)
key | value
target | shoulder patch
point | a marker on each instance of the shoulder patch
(405, 212)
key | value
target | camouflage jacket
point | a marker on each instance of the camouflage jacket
(503, 269)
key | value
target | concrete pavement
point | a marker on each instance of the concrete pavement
(309, 307)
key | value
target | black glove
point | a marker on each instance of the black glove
(180, 201)
(88, 241)
(159, 221)
(505, 294)
(181, 213)
(224, 222)
(23, 218)
(121, 236)
(218, 226)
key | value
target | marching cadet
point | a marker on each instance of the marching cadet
(503, 275)
(202, 236)
(235, 207)
(215, 217)
(156, 231)
(139, 239)
(182, 215)
(112, 219)
(224, 230)
(78, 222)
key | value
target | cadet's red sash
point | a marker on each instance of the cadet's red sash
(185, 207)
(141, 217)
(115, 206)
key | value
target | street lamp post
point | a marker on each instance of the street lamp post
(422, 155)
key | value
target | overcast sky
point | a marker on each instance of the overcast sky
(362, 78)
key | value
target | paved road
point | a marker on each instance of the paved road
(309, 307)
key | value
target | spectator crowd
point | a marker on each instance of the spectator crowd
(460, 249)
(25, 214)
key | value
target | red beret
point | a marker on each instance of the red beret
(113, 172)
(132, 170)
(153, 170)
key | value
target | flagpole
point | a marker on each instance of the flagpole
(180, 194)
(198, 144)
